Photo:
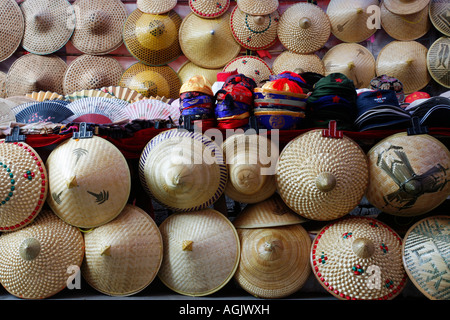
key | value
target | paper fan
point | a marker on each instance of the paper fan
(152, 109)
(44, 111)
(123, 93)
(97, 110)
(91, 93)
(45, 95)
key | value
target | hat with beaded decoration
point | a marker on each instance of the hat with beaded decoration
(209, 9)
(258, 7)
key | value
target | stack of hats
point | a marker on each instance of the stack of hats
(220, 79)
(432, 111)
(385, 82)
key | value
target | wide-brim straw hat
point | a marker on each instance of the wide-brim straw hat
(153, 38)
(304, 28)
(12, 24)
(91, 72)
(438, 12)
(346, 252)
(353, 60)
(209, 43)
(258, 7)
(184, 171)
(33, 72)
(322, 178)
(189, 69)
(123, 256)
(251, 66)
(123, 93)
(98, 25)
(48, 25)
(201, 252)
(299, 63)
(254, 32)
(405, 6)
(401, 170)
(348, 19)
(437, 67)
(156, 6)
(406, 61)
(209, 9)
(81, 193)
(6, 114)
(424, 252)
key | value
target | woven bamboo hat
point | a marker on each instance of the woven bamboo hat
(345, 253)
(406, 61)
(209, 8)
(405, 6)
(258, 7)
(153, 38)
(408, 174)
(299, 63)
(89, 181)
(424, 253)
(183, 170)
(2, 85)
(304, 28)
(209, 43)
(33, 72)
(47, 25)
(36, 262)
(12, 25)
(6, 114)
(201, 252)
(189, 69)
(151, 81)
(250, 66)
(156, 6)
(437, 67)
(99, 25)
(322, 178)
(123, 256)
(438, 12)
(91, 72)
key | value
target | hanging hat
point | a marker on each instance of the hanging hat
(2, 85)
(99, 24)
(250, 66)
(209, 43)
(406, 61)
(299, 63)
(91, 72)
(198, 84)
(437, 61)
(123, 256)
(189, 69)
(153, 38)
(201, 252)
(424, 254)
(209, 9)
(89, 181)
(47, 26)
(345, 253)
(438, 12)
(349, 19)
(97, 110)
(254, 32)
(320, 177)
(408, 174)
(36, 262)
(304, 28)
(33, 72)
(12, 25)
(156, 6)
(258, 7)
(405, 6)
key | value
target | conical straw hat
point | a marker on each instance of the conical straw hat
(406, 61)
(33, 72)
(436, 64)
(189, 69)
(209, 8)
(347, 253)
(425, 253)
(209, 43)
(48, 25)
(153, 38)
(2, 85)
(99, 25)
(156, 6)
(183, 170)
(304, 28)
(250, 66)
(123, 256)
(438, 12)
(12, 25)
(258, 7)
(405, 6)
(201, 252)
(408, 174)
(89, 181)
(299, 63)
(322, 178)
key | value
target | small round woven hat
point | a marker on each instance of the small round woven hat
(209, 43)
(304, 28)
(359, 258)
(189, 69)
(89, 181)
(425, 256)
(299, 63)
(322, 178)
(123, 256)
(436, 61)
(209, 9)
(405, 6)
(438, 12)
(12, 24)
(201, 252)
(258, 7)
(153, 38)
(251, 66)
(156, 6)
(408, 174)
(98, 25)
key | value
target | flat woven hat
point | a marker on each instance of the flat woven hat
(33, 72)
(408, 174)
(89, 181)
(299, 63)
(153, 38)
(201, 252)
(46, 25)
(184, 171)
(189, 69)
(437, 61)
(12, 25)
(258, 7)
(209, 43)
(209, 8)
(156, 6)
(99, 24)
(37, 261)
(359, 258)
(405, 6)
(251, 66)
(322, 178)
(348, 19)
(425, 256)
(123, 256)
(304, 28)
(438, 12)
